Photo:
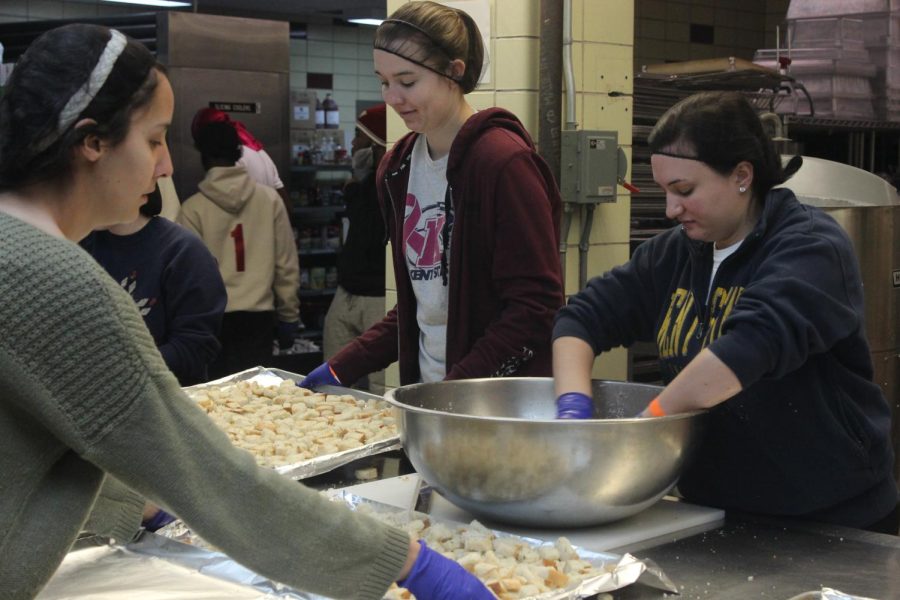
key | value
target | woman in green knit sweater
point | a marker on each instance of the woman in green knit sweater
(83, 390)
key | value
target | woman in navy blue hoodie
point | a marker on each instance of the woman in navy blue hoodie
(755, 302)
(175, 283)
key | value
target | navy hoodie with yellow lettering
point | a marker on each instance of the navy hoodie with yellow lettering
(809, 435)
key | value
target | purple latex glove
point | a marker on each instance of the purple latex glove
(435, 577)
(574, 405)
(157, 521)
(321, 375)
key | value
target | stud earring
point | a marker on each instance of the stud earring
(742, 189)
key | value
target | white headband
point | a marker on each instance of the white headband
(83, 96)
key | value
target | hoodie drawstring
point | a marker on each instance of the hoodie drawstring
(445, 236)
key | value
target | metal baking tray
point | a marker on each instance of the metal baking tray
(320, 464)
(178, 544)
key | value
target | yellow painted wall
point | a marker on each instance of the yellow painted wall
(603, 43)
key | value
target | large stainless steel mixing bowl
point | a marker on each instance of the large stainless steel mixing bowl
(494, 448)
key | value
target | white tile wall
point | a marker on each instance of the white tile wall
(345, 53)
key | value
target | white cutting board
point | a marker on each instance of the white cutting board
(665, 521)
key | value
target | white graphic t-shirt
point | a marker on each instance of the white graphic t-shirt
(719, 257)
(423, 224)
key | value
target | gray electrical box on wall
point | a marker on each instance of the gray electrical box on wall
(590, 166)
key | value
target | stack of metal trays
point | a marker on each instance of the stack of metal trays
(301, 469)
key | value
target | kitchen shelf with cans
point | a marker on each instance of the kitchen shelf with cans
(316, 218)
(320, 168)
(318, 175)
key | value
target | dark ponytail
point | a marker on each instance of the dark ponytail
(720, 129)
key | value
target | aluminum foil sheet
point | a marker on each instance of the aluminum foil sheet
(620, 570)
(211, 564)
(827, 594)
(178, 544)
(319, 464)
(115, 572)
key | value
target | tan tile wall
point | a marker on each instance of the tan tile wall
(603, 34)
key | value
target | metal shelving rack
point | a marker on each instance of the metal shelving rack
(317, 182)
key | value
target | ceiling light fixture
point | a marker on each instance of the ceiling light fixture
(159, 3)
(373, 22)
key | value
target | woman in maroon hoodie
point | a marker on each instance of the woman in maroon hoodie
(472, 213)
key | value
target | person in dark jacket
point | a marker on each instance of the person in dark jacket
(755, 302)
(358, 302)
(175, 283)
(472, 213)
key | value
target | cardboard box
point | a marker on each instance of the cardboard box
(303, 109)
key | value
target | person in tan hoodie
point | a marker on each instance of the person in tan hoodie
(246, 227)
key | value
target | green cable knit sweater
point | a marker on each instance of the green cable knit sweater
(84, 392)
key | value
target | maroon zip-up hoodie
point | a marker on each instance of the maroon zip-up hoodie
(504, 271)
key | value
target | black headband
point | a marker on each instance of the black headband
(420, 30)
(674, 155)
(416, 62)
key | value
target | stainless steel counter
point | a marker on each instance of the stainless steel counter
(743, 558)
(754, 558)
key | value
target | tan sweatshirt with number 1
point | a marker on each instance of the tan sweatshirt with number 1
(246, 227)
